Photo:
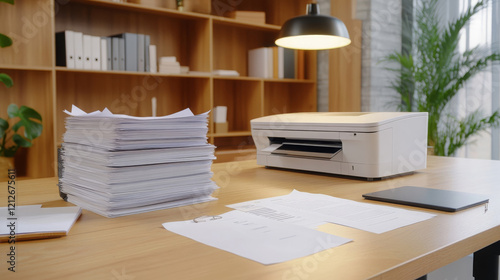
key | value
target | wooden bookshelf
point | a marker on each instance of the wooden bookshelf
(202, 41)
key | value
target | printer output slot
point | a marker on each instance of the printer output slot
(306, 148)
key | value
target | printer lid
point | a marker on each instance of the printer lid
(327, 121)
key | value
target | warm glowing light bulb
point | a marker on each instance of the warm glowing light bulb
(313, 42)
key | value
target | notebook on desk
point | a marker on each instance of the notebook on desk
(30, 222)
(444, 200)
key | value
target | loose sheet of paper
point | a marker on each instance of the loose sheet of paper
(257, 238)
(300, 206)
(75, 111)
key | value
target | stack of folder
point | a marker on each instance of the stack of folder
(123, 52)
(276, 63)
(117, 165)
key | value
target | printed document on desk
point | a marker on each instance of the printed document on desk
(364, 216)
(256, 238)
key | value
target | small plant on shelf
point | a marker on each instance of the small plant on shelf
(10, 137)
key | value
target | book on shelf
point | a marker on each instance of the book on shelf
(294, 64)
(289, 63)
(260, 63)
(136, 164)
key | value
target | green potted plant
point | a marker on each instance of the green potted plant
(18, 119)
(431, 75)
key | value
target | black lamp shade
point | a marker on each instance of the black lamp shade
(313, 31)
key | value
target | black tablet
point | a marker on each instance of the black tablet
(444, 200)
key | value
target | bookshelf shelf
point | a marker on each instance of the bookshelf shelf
(27, 68)
(130, 73)
(202, 41)
(239, 78)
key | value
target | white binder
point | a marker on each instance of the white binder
(153, 68)
(69, 48)
(115, 53)
(96, 52)
(87, 52)
(78, 36)
(104, 54)
(140, 53)
(121, 54)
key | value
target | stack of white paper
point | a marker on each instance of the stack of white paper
(118, 165)
(169, 65)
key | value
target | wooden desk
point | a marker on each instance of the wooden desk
(137, 246)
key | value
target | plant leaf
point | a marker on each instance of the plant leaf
(8, 1)
(29, 113)
(12, 110)
(5, 41)
(4, 125)
(30, 120)
(4, 78)
(20, 141)
(430, 77)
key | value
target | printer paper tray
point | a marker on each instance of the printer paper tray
(316, 151)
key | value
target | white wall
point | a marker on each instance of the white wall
(323, 66)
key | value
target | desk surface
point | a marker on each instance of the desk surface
(138, 247)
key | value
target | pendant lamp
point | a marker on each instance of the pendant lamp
(313, 31)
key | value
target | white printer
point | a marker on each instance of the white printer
(364, 144)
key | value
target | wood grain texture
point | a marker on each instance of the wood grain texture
(32, 89)
(345, 63)
(138, 246)
(29, 25)
(234, 94)
(282, 98)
